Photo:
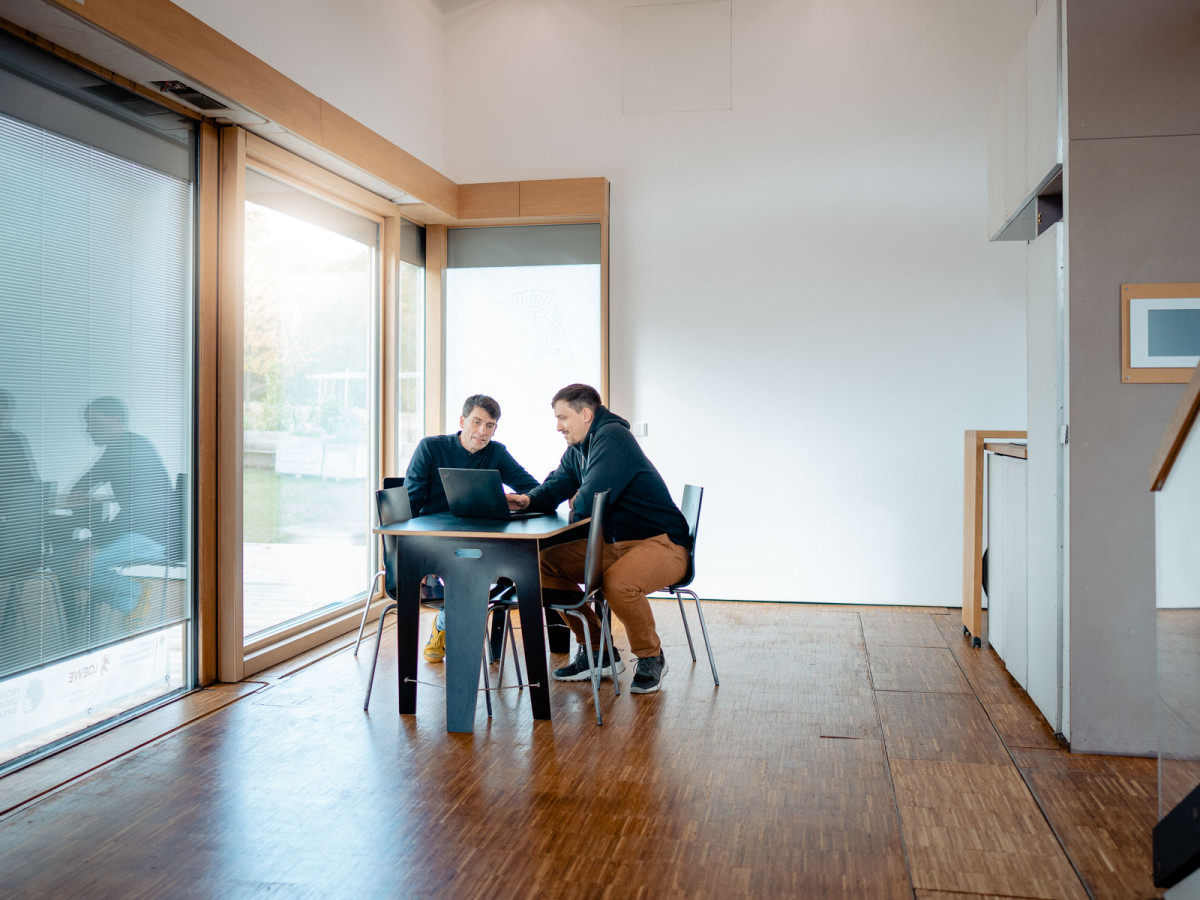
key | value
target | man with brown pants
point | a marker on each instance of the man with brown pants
(645, 534)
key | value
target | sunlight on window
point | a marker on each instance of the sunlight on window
(307, 418)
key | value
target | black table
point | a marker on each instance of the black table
(469, 555)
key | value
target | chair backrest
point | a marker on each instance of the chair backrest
(392, 506)
(593, 566)
(391, 481)
(692, 498)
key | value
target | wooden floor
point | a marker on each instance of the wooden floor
(849, 752)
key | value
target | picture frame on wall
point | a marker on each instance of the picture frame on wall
(1160, 332)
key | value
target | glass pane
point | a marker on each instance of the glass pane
(410, 363)
(308, 302)
(95, 426)
(540, 327)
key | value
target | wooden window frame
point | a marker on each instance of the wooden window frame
(237, 658)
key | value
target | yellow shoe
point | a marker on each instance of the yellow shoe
(435, 650)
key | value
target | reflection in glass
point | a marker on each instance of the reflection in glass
(308, 397)
(95, 422)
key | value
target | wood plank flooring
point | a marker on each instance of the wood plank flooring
(848, 752)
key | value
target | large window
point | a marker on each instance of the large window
(96, 307)
(310, 296)
(523, 318)
(328, 288)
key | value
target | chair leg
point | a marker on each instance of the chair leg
(367, 609)
(607, 641)
(593, 663)
(512, 636)
(391, 607)
(704, 630)
(503, 645)
(487, 684)
(686, 630)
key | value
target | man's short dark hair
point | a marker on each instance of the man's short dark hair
(578, 396)
(109, 407)
(484, 402)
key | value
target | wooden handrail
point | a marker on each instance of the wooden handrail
(1176, 433)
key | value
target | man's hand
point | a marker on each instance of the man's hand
(517, 502)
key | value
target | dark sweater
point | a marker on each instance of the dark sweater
(445, 451)
(610, 458)
(140, 485)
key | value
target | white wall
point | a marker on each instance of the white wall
(377, 60)
(804, 306)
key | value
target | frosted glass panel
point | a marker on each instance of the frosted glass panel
(1174, 332)
(1164, 332)
(519, 333)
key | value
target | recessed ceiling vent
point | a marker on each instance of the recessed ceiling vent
(189, 94)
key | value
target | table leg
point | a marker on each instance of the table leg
(408, 629)
(468, 583)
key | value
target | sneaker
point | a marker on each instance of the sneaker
(580, 668)
(648, 676)
(435, 650)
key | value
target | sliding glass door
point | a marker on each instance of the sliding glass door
(310, 302)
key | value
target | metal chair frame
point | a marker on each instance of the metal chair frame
(395, 509)
(692, 498)
(593, 568)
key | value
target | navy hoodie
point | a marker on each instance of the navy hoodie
(610, 458)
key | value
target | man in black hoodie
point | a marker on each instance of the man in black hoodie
(645, 533)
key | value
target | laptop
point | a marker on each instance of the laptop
(478, 494)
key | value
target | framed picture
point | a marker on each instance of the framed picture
(1160, 332)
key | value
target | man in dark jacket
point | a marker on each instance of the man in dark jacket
(471, 448)
(646, 535)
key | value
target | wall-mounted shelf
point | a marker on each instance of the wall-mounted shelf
(1042, 210)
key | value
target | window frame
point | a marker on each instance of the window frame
(236, 657)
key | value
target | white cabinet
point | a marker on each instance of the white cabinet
(1045, 527)
(1043, 129)
(1016, 173)
(1025, 134)
(1008, 620)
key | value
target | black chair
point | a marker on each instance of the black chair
(593, 568)
(692, 497)
(391, 502)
